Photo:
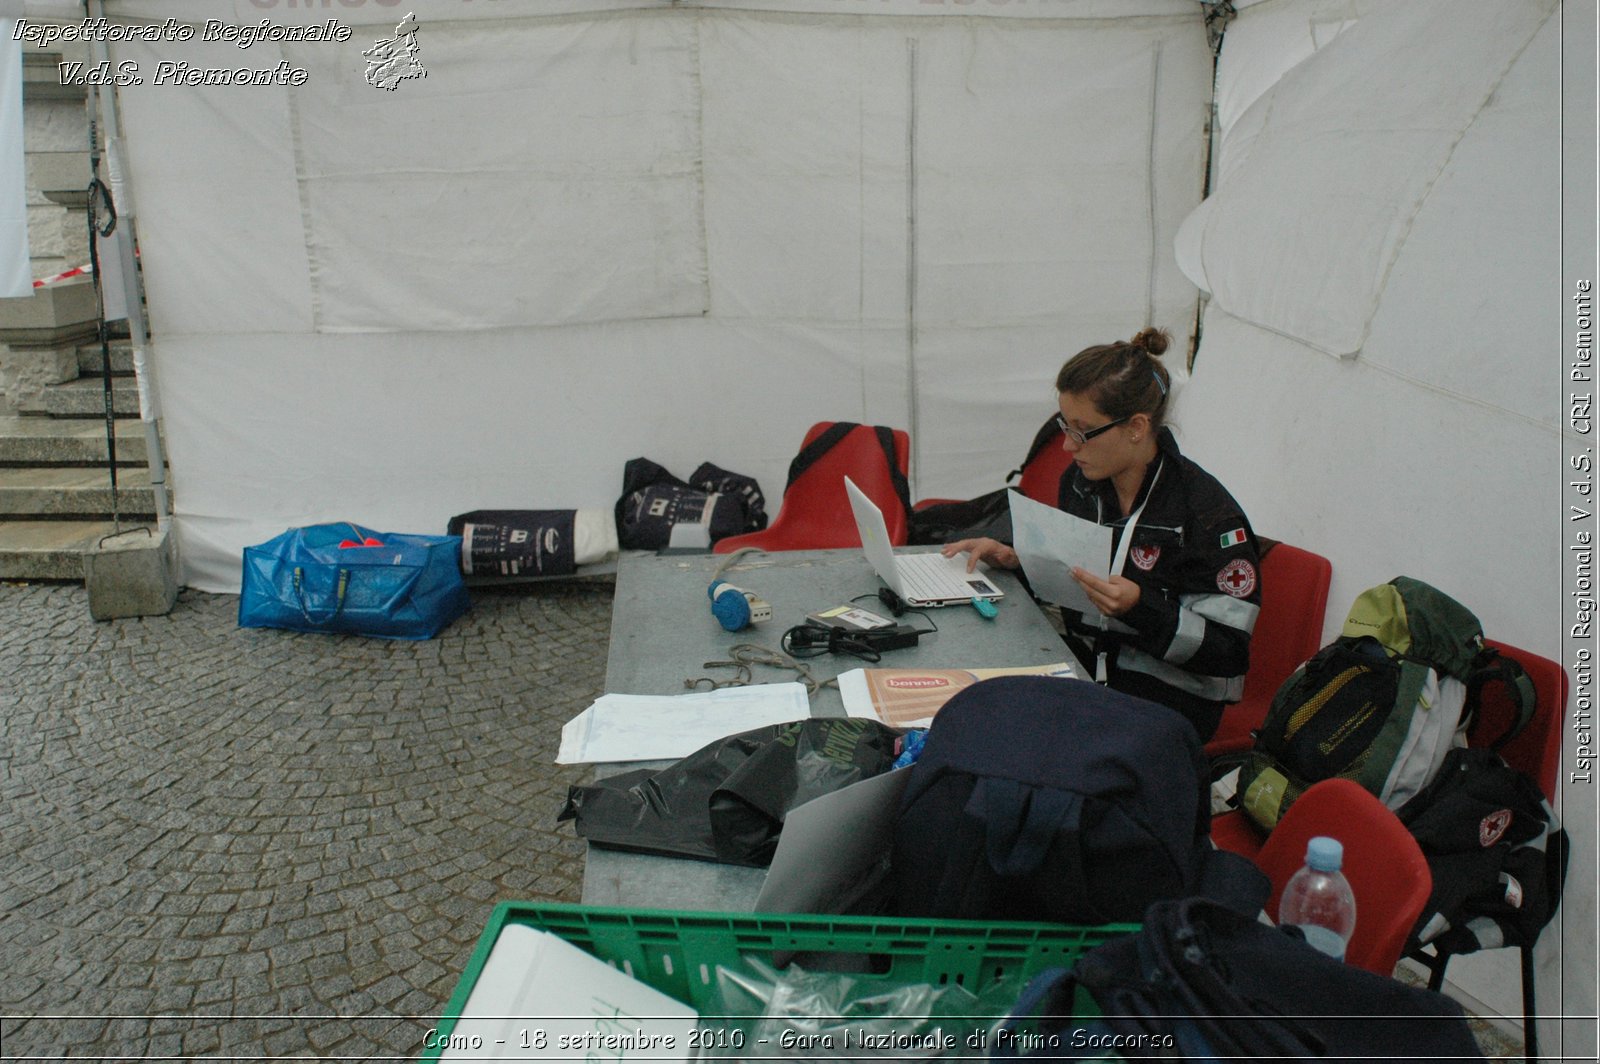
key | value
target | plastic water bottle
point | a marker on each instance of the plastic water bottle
(1318, 899)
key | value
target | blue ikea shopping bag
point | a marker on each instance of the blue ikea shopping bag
(345, 578)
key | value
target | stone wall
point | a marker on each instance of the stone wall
(38, 335)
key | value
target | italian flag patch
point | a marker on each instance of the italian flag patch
(1232, 539)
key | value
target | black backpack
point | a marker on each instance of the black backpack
(984, 515)
(1381, 705)
(1200, 981)
(1496, 850)
(1037, 798)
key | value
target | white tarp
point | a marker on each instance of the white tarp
(1417, 229)
(1368, 127)
(16, 277)
(685, 233)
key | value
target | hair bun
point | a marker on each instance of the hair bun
(1153, 341)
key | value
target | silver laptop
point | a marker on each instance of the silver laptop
(919, 579)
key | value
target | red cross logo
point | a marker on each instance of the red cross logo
(1491, 827)
(1238, 578)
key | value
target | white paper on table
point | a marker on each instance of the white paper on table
(538, 983)
(1049, 542)
(654, 727)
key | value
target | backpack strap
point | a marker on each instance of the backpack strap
(1024, 823)
(818, 447)
(897, 478)
(1041, 439)
(1494, 667)
(830, 437)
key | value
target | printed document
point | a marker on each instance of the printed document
(908, 698)
(1049, 542)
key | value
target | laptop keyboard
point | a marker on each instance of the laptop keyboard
(933, 576)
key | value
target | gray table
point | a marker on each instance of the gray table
(662, 632)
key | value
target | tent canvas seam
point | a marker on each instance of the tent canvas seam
(700, 165)
(1433, 179)
(1150, 186)
(1462, 397)
(1390, 371)
(302, 195)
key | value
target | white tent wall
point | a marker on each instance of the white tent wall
(626, 227)
(1423, 144)
(666, 230)
(16, 278)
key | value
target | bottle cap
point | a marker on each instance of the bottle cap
(1325, 854)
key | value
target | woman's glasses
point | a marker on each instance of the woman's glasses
(1081, 438)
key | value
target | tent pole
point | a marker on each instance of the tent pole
(911, 262)
(1217, 15)
(122, 246)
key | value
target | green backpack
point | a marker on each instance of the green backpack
(1380, 705)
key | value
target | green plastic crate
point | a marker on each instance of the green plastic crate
(677, 952)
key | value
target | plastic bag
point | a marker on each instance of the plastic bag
(727, 801)
(348, 578)
(802, 1014)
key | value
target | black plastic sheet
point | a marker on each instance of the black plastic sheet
(727, 801)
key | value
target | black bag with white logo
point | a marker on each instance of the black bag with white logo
(516, 542)
(752, 503)
(653, 501)
(1496, 850)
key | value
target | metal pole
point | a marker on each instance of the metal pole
(122, 240)
(911, 259)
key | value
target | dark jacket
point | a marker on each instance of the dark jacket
(1195, 558)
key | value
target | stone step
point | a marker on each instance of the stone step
(49, 550)
(66, 492)
(83, 398)
(44, 441)
(121, 359)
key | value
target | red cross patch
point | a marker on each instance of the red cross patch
(1238, 578)
(1491, 827)
(1145, 557)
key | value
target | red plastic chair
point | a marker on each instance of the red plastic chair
(815, 512)
(1294, 598)
(1041, 478)
(1536, 750)
(1387, 871)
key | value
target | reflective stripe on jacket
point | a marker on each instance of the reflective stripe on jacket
(1196, 561)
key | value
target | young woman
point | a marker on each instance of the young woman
(1176, 613)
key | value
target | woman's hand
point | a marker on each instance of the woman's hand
(1112, 597)
(982, 550)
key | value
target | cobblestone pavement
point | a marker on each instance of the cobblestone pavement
(227, 843)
